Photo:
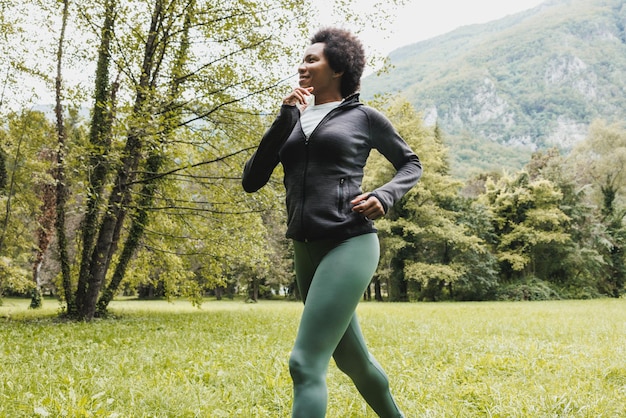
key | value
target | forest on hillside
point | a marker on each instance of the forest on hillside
(529, 81)
(142, 196)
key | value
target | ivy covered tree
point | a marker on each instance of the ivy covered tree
(178, 88)
(3, 170)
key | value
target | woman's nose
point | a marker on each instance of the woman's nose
(301, 68)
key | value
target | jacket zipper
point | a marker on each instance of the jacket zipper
(341, 195)
(306, 168)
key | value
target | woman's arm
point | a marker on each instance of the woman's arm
(260, 166)
(390, 144)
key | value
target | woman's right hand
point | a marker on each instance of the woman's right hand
(298, 97)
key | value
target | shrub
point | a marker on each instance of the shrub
(529, 288)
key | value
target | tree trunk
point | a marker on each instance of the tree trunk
(44, 232)
(100, 138)
(378, 294)
(398, 286)
(618, 270)
(93, 274)
(149, 181)
(60, 178)
(3, 170)
(253, 290)
(137, 229)
(107, 237)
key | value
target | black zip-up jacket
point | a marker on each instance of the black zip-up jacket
(323, 173)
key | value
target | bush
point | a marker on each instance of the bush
(583, 292)
(14, 281)
(528, 289)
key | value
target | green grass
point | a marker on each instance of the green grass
(229, 359)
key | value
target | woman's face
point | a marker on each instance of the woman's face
(314, 71)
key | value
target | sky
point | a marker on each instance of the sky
(423, 19)
(419, 20)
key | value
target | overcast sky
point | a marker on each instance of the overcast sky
(424, 19)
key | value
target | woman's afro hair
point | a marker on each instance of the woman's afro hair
(344, 53)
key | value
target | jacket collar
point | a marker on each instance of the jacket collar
(351, 101)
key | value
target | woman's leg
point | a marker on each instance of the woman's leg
(332, 278)
(353, 358)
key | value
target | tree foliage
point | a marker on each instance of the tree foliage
(599, 162)
(424, 238)
(26, 142)
(178, 99)
(532, 234)
(144, 188)
(185, 119)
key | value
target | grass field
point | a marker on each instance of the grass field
(229, 359)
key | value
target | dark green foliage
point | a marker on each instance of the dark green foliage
(429, 244)
(480, 278)
(470, 156)
(528, 289)
(539, 233)
(614, 283)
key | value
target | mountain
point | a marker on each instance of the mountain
(535, 79)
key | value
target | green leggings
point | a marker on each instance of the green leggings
(331, 277)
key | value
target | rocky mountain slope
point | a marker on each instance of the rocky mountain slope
(536, 78)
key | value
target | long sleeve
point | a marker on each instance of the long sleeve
(260, 166)
(407, 164)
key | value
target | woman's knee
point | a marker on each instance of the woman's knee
(301, 368)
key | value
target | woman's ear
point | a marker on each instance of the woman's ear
(337, 74)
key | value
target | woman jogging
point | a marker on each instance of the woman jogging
(322, 137)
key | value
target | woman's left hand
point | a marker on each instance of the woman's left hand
(368, 205)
